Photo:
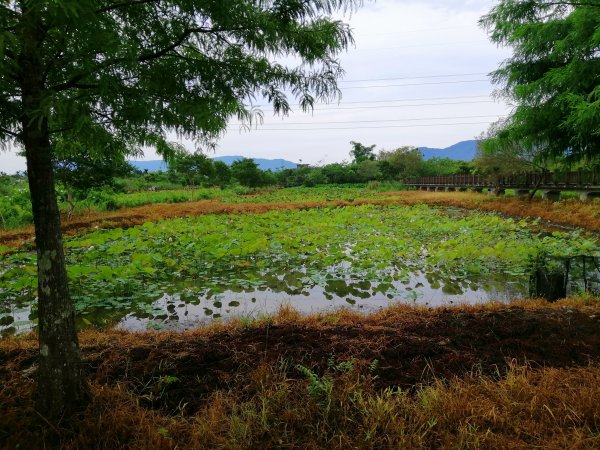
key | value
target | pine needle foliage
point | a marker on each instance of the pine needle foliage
(553, 75)
(126, 72)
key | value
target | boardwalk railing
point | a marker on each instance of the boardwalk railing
(580, 180)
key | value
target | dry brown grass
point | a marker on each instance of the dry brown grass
(572, 213)
(494, 376)
(129, 217)
(522, 408)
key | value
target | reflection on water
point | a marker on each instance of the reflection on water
(180, 312)
(181, 273)
(186, 305)
(17, 320)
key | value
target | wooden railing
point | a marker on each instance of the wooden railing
(560, 180)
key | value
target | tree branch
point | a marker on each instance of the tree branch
(120, 5)
(10, 133)
(74, 82)
(173, 46)
(60, 130)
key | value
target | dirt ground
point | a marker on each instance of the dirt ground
(402, 347)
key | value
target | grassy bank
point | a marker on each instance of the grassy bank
(571, 213)
(519, 376)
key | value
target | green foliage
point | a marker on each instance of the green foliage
(15, 206)
(319, 388)
(222, 173)
(362, 152)
(340, 173)
(15, 203)
(401, 163)
(351, 254)
(196, 169)
(368, 170)
(552, 76)
(123, 74)
(247, 173)
(82, 172)
(445, 166)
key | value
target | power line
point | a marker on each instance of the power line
(416, 84)
(409, 31)
(416, 77)
(419, 99)
(418, 119)
(382, 127)
(442, 44)
(397, 100)
(399, 106)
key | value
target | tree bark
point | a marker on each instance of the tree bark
(61, 390)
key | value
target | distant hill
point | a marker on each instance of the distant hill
(463, 151)
(150, 166)
(264, 164)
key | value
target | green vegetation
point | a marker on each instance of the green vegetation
(106, 182)
(352, 254)
(87, 77)
(553, 77)
(15, 203)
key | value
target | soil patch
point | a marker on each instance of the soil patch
(402, 347)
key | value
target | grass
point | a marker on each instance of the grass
(571, 212)
(15, 205)
(161, 390)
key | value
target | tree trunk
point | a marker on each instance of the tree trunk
(537, 185)
(61, 390)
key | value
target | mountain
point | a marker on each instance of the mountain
(264, 164)
(150, 166)
(463, 151)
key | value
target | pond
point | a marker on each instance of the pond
(178, 273)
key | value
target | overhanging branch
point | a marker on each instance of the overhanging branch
(10, 133)
(120, 5)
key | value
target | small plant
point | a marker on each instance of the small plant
(342, 366)
(156, 387)
(319, 388)
(374, 366)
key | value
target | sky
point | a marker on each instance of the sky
(416, 76)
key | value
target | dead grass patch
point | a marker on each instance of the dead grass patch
(571, 212)
(523, 375)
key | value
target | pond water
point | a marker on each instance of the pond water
(177, 274)
(178, 312)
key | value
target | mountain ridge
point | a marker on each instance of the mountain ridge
(461, 151)
(263, 163)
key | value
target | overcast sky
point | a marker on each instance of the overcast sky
(417, 76)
